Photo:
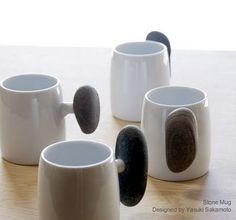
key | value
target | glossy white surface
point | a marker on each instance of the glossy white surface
(85, 189)
(31, 116)
(158, 104)
(136, 67)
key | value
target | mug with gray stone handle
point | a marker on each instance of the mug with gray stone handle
(87, 180)
(175, 122)
(33, 114)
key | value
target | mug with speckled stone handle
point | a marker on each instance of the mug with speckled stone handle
(176, 124)
(33, 115)
(86, 180)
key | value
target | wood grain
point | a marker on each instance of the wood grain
(211, 71)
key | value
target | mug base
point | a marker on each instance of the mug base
(180, 179)
(21, 163)
(135, 120)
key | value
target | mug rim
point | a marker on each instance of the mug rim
(92, 165)
(163, 49)
(205, 97)
(57, 82)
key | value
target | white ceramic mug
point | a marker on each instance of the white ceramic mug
(175, 122)
(32, 115)
(136, 67)
(79, 179)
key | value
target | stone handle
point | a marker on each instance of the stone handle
(86, 106)
(160, 37)
(180, 139)
(132, 162)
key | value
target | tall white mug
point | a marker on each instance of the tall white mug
(32, 115)
(176, 124)
(136, 67)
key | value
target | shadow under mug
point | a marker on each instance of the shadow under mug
(32, 115)
(176, 124)
(136, 67)
(79, 179)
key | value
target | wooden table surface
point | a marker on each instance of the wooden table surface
(214, 72)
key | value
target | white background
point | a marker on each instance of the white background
(199, 24)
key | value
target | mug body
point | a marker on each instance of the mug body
(136, 67)
(78, 180)
(175, 122)
(30, 116)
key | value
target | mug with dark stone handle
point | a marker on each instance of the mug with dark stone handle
(33, 115)
(85, 180)
(176, 124)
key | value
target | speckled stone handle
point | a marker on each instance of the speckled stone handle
(131, 148)
(181, 138)
(86, 106)
(160, 37)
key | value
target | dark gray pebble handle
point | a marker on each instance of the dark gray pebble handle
(86, 107)
(160, 37)
(180, 139)
(131, 148)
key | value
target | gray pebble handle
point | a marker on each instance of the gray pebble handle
(160, 37)
(86, 106)
(131, 148)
